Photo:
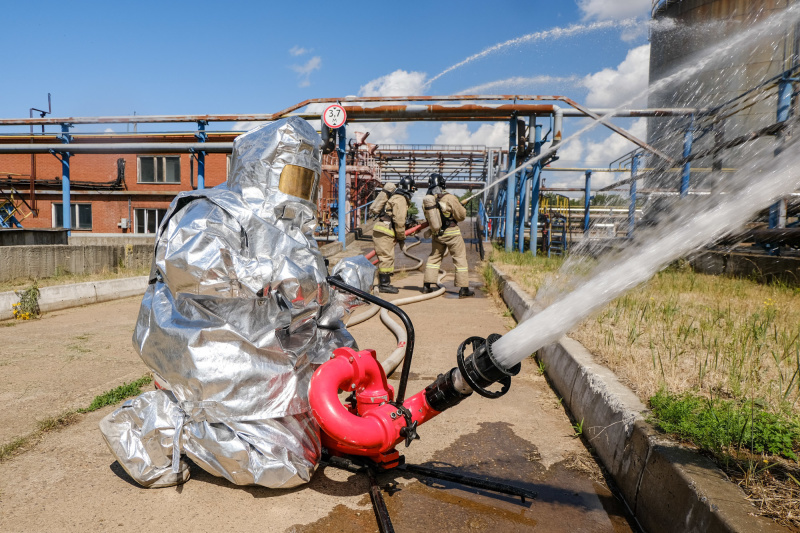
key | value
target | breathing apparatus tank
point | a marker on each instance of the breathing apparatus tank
(382, 198)
(433, 215)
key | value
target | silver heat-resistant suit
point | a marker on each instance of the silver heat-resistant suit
(235, 320)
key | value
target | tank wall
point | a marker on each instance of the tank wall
(696, 28)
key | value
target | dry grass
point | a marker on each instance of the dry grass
(64, 278)
(684, 331)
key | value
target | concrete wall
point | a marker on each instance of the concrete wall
(94, 239)
(47, 261)
(699, 26)
(30, 237)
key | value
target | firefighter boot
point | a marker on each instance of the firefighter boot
(465, 292)
(429, 287)
(385, 285)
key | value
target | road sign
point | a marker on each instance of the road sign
(334, 116)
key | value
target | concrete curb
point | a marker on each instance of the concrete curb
(64, 296)
(667, 487)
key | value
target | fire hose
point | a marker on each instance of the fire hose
(394, 359)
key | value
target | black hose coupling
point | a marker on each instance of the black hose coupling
(481, 369)
(474, 373)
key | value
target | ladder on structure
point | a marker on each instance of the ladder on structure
(10, 209)
(557, 235)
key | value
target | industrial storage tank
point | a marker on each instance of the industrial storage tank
(690, 32)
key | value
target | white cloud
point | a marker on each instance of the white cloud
(493, 135)
(613, 9)
(304, 71)
(397, 83)
(299, 50)
(108, 130)
(612, 87)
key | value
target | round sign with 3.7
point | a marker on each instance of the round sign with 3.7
(334, 116)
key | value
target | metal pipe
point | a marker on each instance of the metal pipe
(201, 155)
(342, 153)
(688, 138)
(258, 117)
(558, 125)
(511, 184)
(66, 209)
(116, 148)
(632, 206)
(525, 202)
(777, 211)
(586, 202)
(536, 180)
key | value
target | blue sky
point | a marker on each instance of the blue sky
(114, 58)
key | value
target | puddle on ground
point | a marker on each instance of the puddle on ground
(568, 499)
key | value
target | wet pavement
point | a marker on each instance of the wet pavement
(569, 497)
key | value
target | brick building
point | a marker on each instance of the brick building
(107, 189)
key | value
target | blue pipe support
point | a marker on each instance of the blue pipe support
(520, 228)
(66, 206)
(342, 153)
(632, 206)
(536, 176)
(511, 184)
(784, 111)
(201, 156)
(586, 200)
(688, 139)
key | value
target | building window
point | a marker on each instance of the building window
(148, 220)
(165, 169)
(81, 216)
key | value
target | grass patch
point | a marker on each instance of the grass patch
(114, 396)
(722, 426)
(14, 447)
(56, 423)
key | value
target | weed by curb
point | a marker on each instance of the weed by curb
(56, 423)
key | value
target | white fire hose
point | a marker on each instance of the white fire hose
(394, 360)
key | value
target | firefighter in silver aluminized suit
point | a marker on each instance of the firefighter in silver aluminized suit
(237, 316)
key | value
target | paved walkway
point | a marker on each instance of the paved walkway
(70, 481)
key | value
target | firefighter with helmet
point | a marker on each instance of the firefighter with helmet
(444, 211)
(390, 230)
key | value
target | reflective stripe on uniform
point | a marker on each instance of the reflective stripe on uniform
(431, 265)
(383, 229)
(452, 231)
(386, 270)
(460, 269)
